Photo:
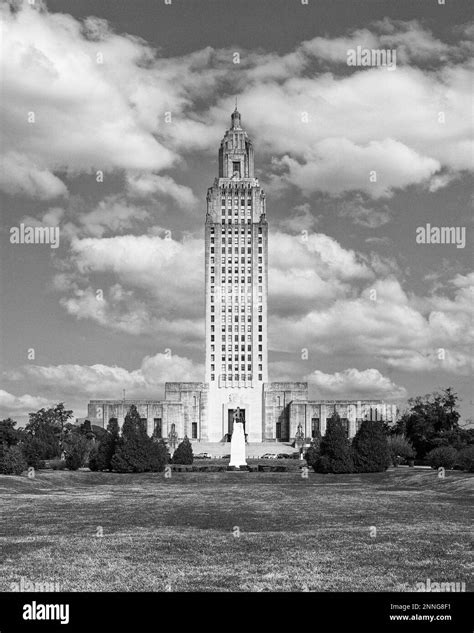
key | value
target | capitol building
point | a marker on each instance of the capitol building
(236, 369)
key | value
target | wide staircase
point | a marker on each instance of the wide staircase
(217, 449)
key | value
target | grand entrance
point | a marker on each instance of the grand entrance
(230, 422)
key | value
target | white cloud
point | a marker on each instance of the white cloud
(111, 115)
(362, 214)
(96, 381)
(11, 405)
(21, 176)
(402, 331)
(145, 185)
(352, 383)
(375, 167)
(302, 218)
(87, 115)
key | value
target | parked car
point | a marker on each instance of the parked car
(202, 456)
(283, 456)
(225, 457)
(269, 456)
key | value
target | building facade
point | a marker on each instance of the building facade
(236, 367)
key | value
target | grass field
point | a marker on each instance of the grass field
(179, 534)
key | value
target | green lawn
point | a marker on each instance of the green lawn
(178, 534)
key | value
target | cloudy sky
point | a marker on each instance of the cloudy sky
(142, 92)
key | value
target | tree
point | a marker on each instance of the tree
(431, 421)
(135, 451)
(159, 456)
(47, 426)
(400, 448)
(9, 436)
(184, 453)
(77, 444)
(445, 456)
(33, 450)
(101, 456)
(335, 450)
(370, 448)
(12, 461)
(466, 459)
(312, 454)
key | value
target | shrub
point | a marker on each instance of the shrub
(184, 453)
(159, 456)
(335, 452)
(445, 456)
(101, 455)
(76, 449)
(57, 464)
(135, 451)
(466, 459)
(370, 448)
(312, 454)
(33, 451)
(12, 461)
(400, 449)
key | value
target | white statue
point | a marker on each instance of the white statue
(237, 442)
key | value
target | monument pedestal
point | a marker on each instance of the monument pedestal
(237, 447)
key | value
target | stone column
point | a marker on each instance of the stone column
(323, 419)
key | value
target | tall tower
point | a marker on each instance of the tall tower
(236, 269)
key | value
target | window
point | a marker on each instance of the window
(157, 427)
(194, 430)
(315, 427)
(278, 431)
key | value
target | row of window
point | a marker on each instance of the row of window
(229, 200)
(236, 231)
(244, 307)
(240, 213)
(229, 290)
(235, 260)
(233, 367)
(236, 318)
(236, 338)
(236, 239)
(240, 377)
(249, 347)
(228, 328)
(228, 248)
